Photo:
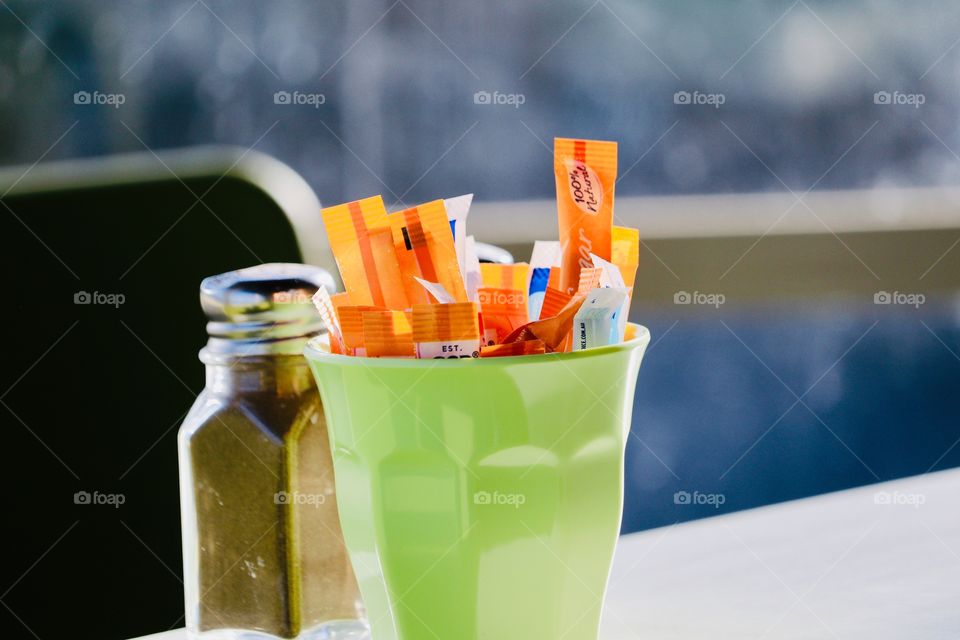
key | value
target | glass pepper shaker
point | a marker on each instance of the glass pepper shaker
(263, 553)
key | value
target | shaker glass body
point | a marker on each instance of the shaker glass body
(263, 553)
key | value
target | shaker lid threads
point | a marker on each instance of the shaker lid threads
(261, 309)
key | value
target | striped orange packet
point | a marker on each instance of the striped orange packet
(446, 330)
(351, 327)
(586, 174)
(388, 334)
(362, 245)
(506, 276)
(525, 348)
(625, 254)
(589, 279)
(554, 301)
(555, 332)
(503, 311)
(425, 249)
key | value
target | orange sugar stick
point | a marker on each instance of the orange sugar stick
(553, 281)
(446, 330)
(351, 327)
(388, 334)
(425, 249)
(586, 174)
(367, 263)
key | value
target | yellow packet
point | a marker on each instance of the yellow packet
(505, 276)
(425, 249)
(446, 330)
(625, 253)
(586, 174)
(365, 256)
(388, 334)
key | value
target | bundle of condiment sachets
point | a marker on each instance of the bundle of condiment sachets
(415, 288)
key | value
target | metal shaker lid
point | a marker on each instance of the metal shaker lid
(265, 309)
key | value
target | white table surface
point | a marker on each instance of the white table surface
(875, 563)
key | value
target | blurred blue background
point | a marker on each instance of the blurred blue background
(399, 78)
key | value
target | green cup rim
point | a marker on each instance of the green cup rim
(315, 352)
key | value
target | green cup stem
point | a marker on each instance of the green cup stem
(481, 499)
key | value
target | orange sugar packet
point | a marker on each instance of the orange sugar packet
(586, 174)
(425, 249)
(555, 331)
(554, 301)
(446, 330)
(503, 311)
(505, 276)
(351, 327)
(524, 348)
(554, 280)
(589, 279)
(362, 245)
(388, 334)
(625, 253)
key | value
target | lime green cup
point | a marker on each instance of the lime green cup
(481, 498)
